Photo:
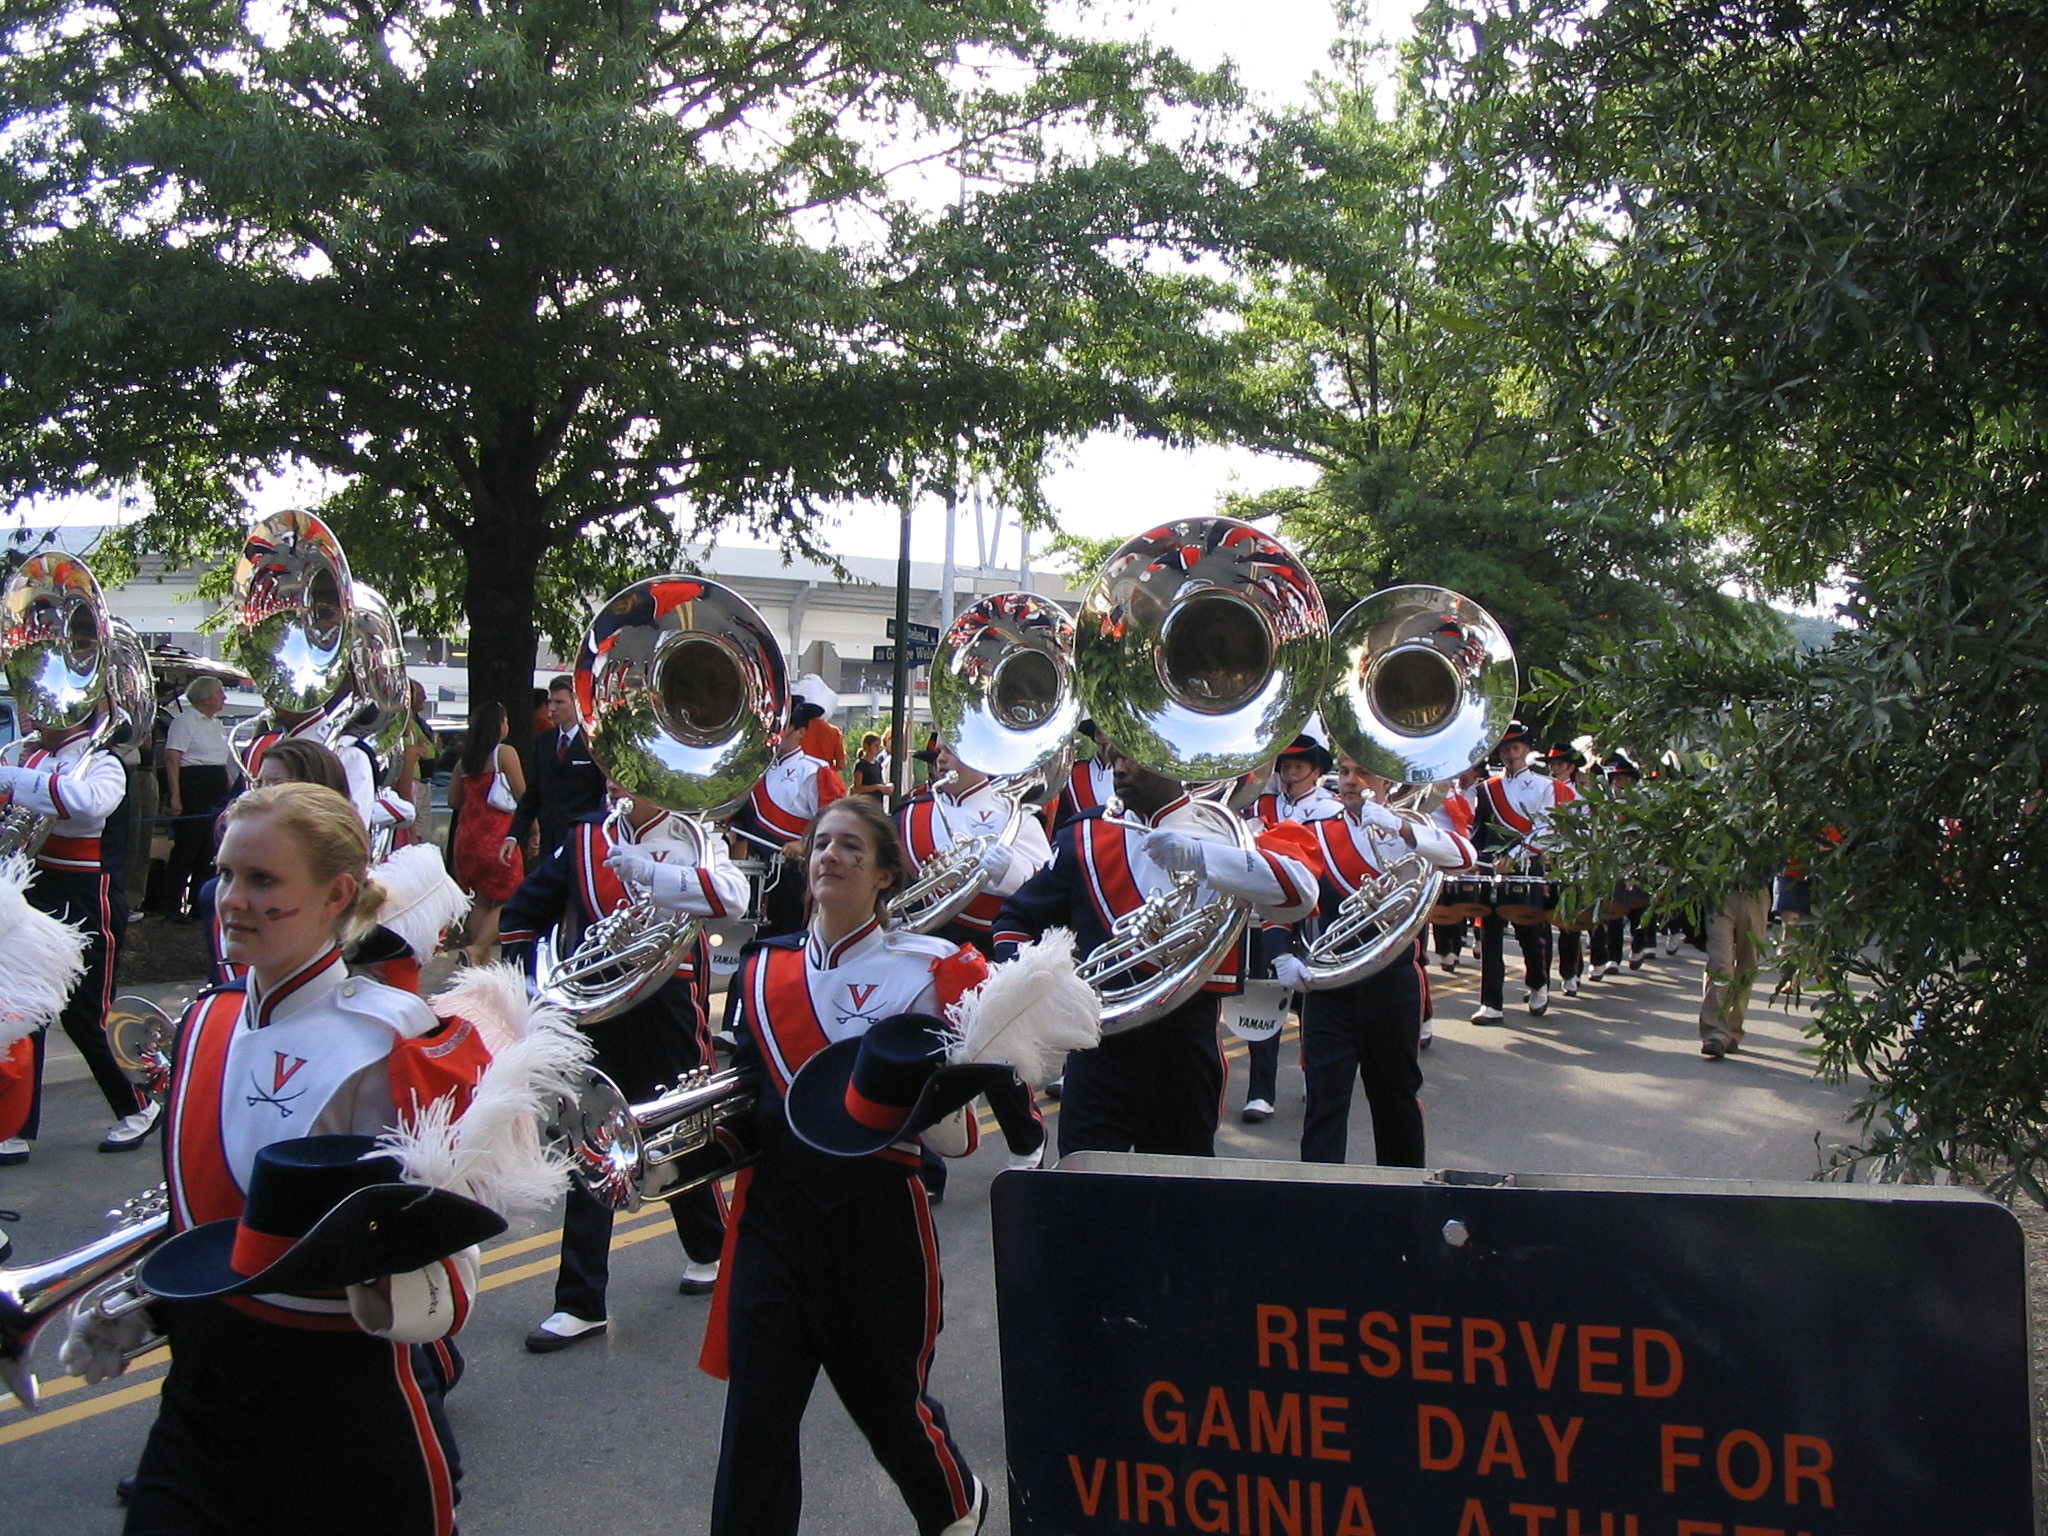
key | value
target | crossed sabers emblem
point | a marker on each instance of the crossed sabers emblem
(281, 1075)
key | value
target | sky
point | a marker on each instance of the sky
(1108, 485)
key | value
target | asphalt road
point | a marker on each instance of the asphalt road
(621, 1433)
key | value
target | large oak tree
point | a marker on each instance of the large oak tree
(545, 285)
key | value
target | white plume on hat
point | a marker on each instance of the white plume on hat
(45, 958)
(494, 1151)
(1030, 1012)
(420, 901)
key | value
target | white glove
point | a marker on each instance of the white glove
(416, 1307)
(630, 863)
(1174, 852)
(96, 1347)
(995, 862)
(1373, 814)
(1291, 972)
(8, 776)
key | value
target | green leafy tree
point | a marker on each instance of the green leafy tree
(547, 285)
(1789, 250)
(1449, 453)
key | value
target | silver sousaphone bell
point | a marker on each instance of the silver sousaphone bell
(1422, 683)
(1200, 651)
(1002, 699)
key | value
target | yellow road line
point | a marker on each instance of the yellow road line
(638, 1228)
(92, 1407)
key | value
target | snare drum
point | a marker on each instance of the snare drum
(1463, 897)
(1525, 899)
(1581, 921)
(1627, 899)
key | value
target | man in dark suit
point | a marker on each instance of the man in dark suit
(565, 784)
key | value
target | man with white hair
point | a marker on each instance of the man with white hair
(199, 773)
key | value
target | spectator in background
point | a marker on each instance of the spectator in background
(1734, 935)
(565, 785)
(543, 718)
(869, 777)
(414, 780)
(822, 739)
(486, 784)
(198, 775)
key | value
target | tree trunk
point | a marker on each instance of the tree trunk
(498, 592)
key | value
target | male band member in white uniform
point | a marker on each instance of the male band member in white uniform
(780, 811)
(963, 803)
(1298, 796)
(1158, 1087)
(1514, 817)
(1373, 1027)
(1458, 815)
(61, 774)
(1563, 762)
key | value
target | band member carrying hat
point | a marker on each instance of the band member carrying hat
(302, 1295)
(831, 1261)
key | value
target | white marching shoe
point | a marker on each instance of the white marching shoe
(1539, 1001)
(1032, 1159)
(977, 1512)
(698, 1279)
(1488, 1016)
(130, 1131)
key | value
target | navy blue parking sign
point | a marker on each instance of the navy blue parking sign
(1278, 1350)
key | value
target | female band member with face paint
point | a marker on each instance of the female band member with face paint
(245, 1437)
(831, 1260)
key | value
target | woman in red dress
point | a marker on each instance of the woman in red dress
(481, 827)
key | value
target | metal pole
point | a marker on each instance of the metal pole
(947, 577)
(899, 707)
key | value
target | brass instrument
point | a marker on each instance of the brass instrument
(69, 665)
(682, 692)
(1002, 700)
(1199, 651)
(315, 640)
(99, 1275)
(143, 1038)
(1423, 683)
(626, 1154)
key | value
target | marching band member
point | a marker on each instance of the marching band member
(265, 1367)
(60, 773)
(425, 901)
(378, 807)
(649, 1045)
(1372, 1028)
(1458, 816)
(1623, 776)
(780, 810)
(1514, 809)
(1158, 1087)
(1298, 795)
(831, 1260)
(962, 802)
(1090, 782)
(1563, 762)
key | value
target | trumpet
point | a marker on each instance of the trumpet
(625, 1154)
(99, 1275)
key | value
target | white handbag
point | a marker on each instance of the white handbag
(501, 793)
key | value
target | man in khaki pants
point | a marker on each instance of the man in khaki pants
(1733, 934)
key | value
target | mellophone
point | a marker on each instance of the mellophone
(1527, 900)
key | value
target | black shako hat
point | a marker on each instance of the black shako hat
(323, 1212)
(1306, 749)
(1516, 731)
(1621, 762)
(860, 1095)
(1568, 752)
(802, 712)
(929, 752)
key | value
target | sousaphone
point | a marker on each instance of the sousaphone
(1199, 651)
(1422, 684)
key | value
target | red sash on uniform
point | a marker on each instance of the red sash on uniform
(1496, 794)
(920, 836)
(1346, 865)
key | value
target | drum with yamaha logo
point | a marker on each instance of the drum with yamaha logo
(1525, 899)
